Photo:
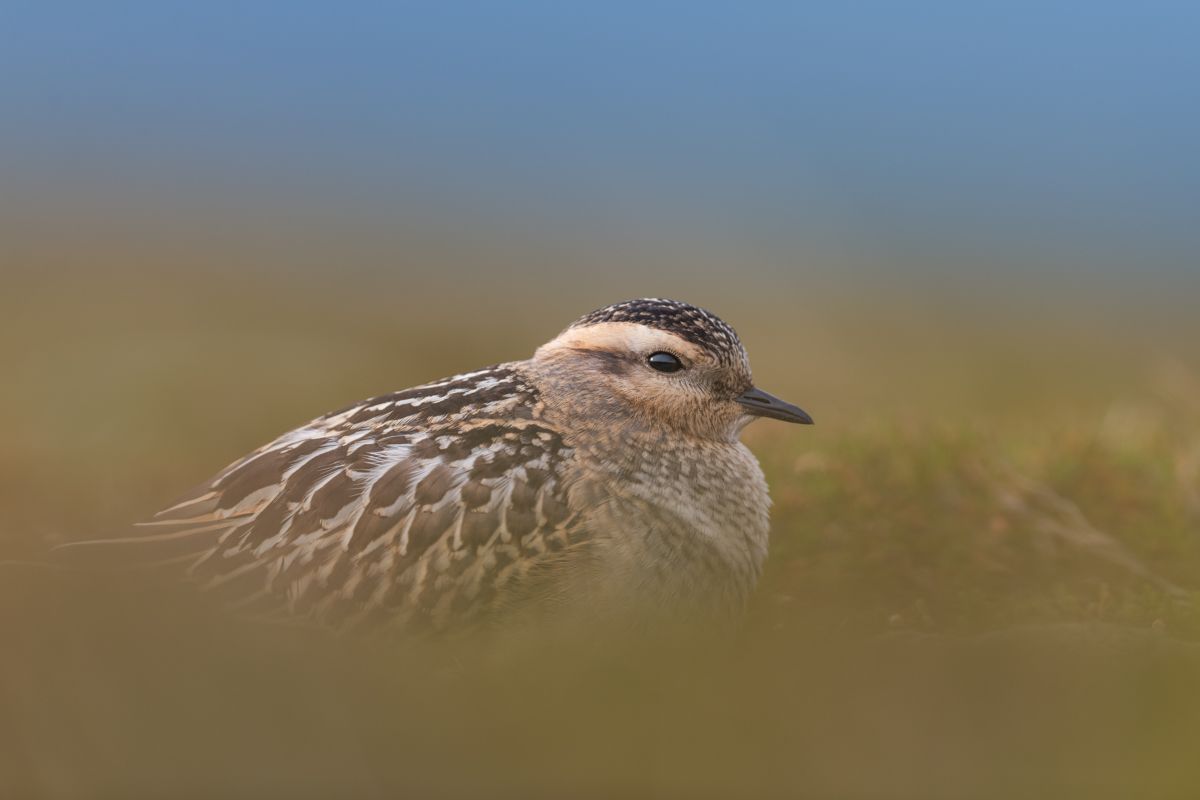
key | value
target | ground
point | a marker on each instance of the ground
(983, 578)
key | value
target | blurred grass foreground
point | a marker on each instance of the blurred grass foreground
(983, 579)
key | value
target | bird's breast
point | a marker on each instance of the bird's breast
(686, 524)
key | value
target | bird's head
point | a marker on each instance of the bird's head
(660, 364)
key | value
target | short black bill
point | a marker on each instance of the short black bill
(762, 404)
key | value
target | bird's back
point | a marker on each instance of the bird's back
(417, 508)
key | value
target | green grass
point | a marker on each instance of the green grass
(983, 578)
(953, 532)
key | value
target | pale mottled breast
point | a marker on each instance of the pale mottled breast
(700, 512)
(419, 508)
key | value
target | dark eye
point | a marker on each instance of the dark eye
(665, 362)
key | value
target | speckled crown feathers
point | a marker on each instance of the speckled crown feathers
(691, 323)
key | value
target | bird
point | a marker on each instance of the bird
(604, 472)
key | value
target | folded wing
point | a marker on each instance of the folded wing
(421, 508)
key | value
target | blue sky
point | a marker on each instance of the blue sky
(1056, 130)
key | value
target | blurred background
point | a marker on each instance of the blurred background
(963, 236)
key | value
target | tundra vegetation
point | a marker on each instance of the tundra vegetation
(984, 578)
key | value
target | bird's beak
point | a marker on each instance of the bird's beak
(761, 404)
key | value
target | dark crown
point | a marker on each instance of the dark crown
(702, 328)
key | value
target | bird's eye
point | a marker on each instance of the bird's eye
(665, 362)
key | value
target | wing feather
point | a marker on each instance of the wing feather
(414, 509)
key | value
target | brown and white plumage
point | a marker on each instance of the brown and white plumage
(582, 476)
